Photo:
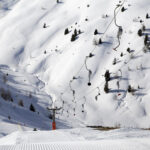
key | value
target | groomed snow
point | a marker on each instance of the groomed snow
(79, 138)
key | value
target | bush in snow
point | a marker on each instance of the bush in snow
(9, 117)
(86, 19)
(44, 26)
(45, 52)
(4, 79)
(132, 56)
(6, 95)
(145, 50)
(121, 54)
(131, 89)
(95, 42)
(141, 21)
(32, 108)
(114, 61)
(104, 16)
(143, 27)
(20, 103)
(50, 116)
(30, 95)
(35, 129)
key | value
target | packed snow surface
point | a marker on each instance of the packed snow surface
(78, 138)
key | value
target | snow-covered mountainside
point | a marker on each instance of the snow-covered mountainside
(88, 57)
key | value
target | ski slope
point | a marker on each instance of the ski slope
(78, 138)
(40, 65)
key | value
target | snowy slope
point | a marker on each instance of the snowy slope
(18, 88)
(62, 67)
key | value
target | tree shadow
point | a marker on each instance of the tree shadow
(106, 43)
(131, 51)
(3, 134)
(135, 57)
(146, 34)
(124, 78)
(117, 91)
(115, 77)
(145, 68)
(140, 94)
(6, 9)
(148, 30)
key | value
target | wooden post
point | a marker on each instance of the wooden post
(53, 117)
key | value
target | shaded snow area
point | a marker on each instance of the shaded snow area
(89, 58)
(78, 138)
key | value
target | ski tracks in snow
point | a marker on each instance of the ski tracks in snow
(94, 145)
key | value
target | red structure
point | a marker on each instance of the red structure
(53, 118)
(53, 126)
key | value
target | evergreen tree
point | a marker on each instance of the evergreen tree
(128, 50)
(107, 76)
(66, 31)
(95, 32)
(129, 88)
(122, 9)
(114, 61)
(73, 38)
(147, 16)
(100, 41)
(20, 103)
(106, 88)
(143, 27)
(146, 39)
(79, 32)
(75, 32)
(32, 108)
(140, 32)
